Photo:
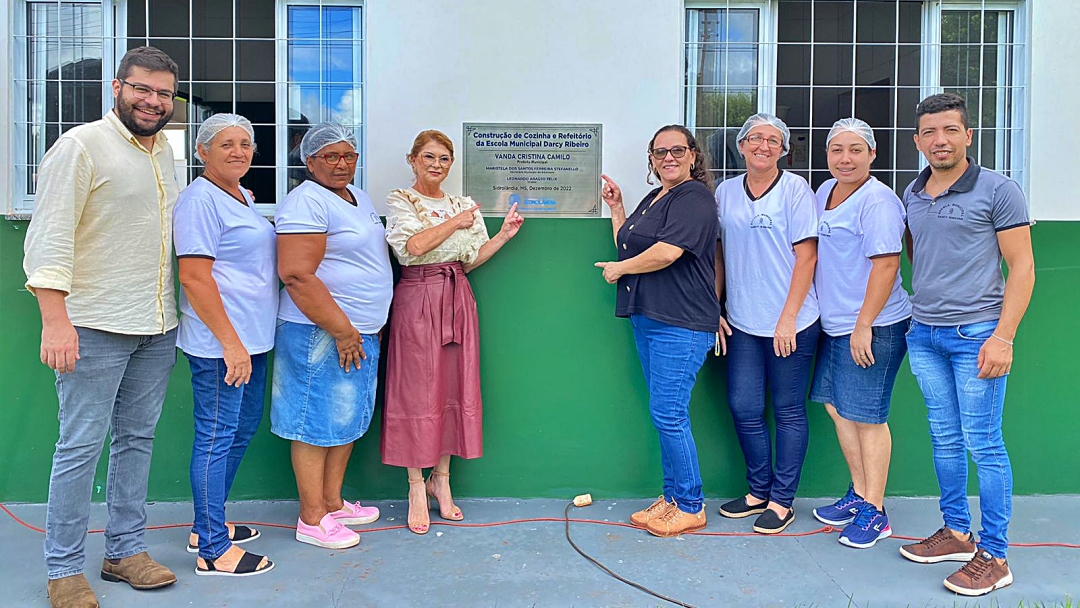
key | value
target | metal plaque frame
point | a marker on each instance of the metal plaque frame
(548, 170)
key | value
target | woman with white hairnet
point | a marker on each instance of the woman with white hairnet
(336, 270)
(865, 313)
(765, 264)
(227, 270)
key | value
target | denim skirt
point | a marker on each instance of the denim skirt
(314, 400)
(858, 394)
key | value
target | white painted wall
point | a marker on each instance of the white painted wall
(1054, 158)
(6, 116)
(438, 63)
(433, 64)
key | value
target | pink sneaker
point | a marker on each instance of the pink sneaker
(329, 534)
(352, 514)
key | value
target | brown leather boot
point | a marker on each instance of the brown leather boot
(140, 571)
(71, 592)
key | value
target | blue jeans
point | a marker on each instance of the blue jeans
(965, 416)
(226, 418)
(752, 366)
(117, 387)
(671, 357)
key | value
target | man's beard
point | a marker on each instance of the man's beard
(945, 165)
(125, 110)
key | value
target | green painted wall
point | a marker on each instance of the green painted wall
(566, 407)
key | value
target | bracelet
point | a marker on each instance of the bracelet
(1002, 339)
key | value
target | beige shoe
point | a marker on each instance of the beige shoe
(71, 592)
(656, 509)
(675, 521)
(140, 571)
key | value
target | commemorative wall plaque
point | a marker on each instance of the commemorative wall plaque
(549, 170)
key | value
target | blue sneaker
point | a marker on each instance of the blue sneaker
(870, 526)
(842, 511)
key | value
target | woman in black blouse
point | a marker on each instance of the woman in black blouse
(666, 286)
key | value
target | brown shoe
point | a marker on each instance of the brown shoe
(140, 571)
(980, 576)
(656, 509)
(675, 521)
(941, 546)
(71, 592)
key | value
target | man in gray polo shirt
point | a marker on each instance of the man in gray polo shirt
(963, 220)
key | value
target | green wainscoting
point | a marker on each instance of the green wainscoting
(565, 403)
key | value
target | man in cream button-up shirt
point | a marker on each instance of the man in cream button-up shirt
(98, 258)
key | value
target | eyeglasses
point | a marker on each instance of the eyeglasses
(431, 160)
(144, 92)
(756, 139)
(661, 153)
(334, 158)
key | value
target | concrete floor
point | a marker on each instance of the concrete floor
(531, 564)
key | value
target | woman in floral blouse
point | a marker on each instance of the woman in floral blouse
(433, 406)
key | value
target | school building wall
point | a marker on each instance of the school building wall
(565, 402)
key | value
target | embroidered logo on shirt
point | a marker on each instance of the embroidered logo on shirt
(374, 218)
(824, 229)
(762, 220)
(951, 212)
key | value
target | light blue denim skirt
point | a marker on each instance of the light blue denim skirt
(860, 395)
(314, 400)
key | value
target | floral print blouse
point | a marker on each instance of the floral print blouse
(408, 212)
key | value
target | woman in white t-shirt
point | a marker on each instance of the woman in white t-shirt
(336, 269)
(765, 264)
(864, 315)
(228, 307)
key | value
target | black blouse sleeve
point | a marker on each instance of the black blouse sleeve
(691, 223)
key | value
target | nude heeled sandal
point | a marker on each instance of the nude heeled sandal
(419, 528)
(455, 513)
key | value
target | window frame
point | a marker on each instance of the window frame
(114, 42)
(767, 30)
(281, 91)
(21, 205)
(767, 25)
(1019, 117)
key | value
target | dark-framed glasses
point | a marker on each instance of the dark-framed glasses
(334, 158)
(676, 151)
(142, 91)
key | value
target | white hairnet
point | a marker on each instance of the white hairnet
(762, 118)
(218, 123)
(322, 135)
(855, 126)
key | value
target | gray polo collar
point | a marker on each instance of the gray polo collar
(964, 184)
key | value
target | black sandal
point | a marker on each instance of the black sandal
(241, 534)
(247, 566)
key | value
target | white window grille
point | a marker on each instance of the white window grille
(284, 64)
(729, 65)
(821, 60)
(979, 52)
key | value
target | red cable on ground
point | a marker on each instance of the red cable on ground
(822, 530)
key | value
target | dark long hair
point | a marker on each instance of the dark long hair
(699, 170)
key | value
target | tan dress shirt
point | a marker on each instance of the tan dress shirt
(408, 212)
(102, 229)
